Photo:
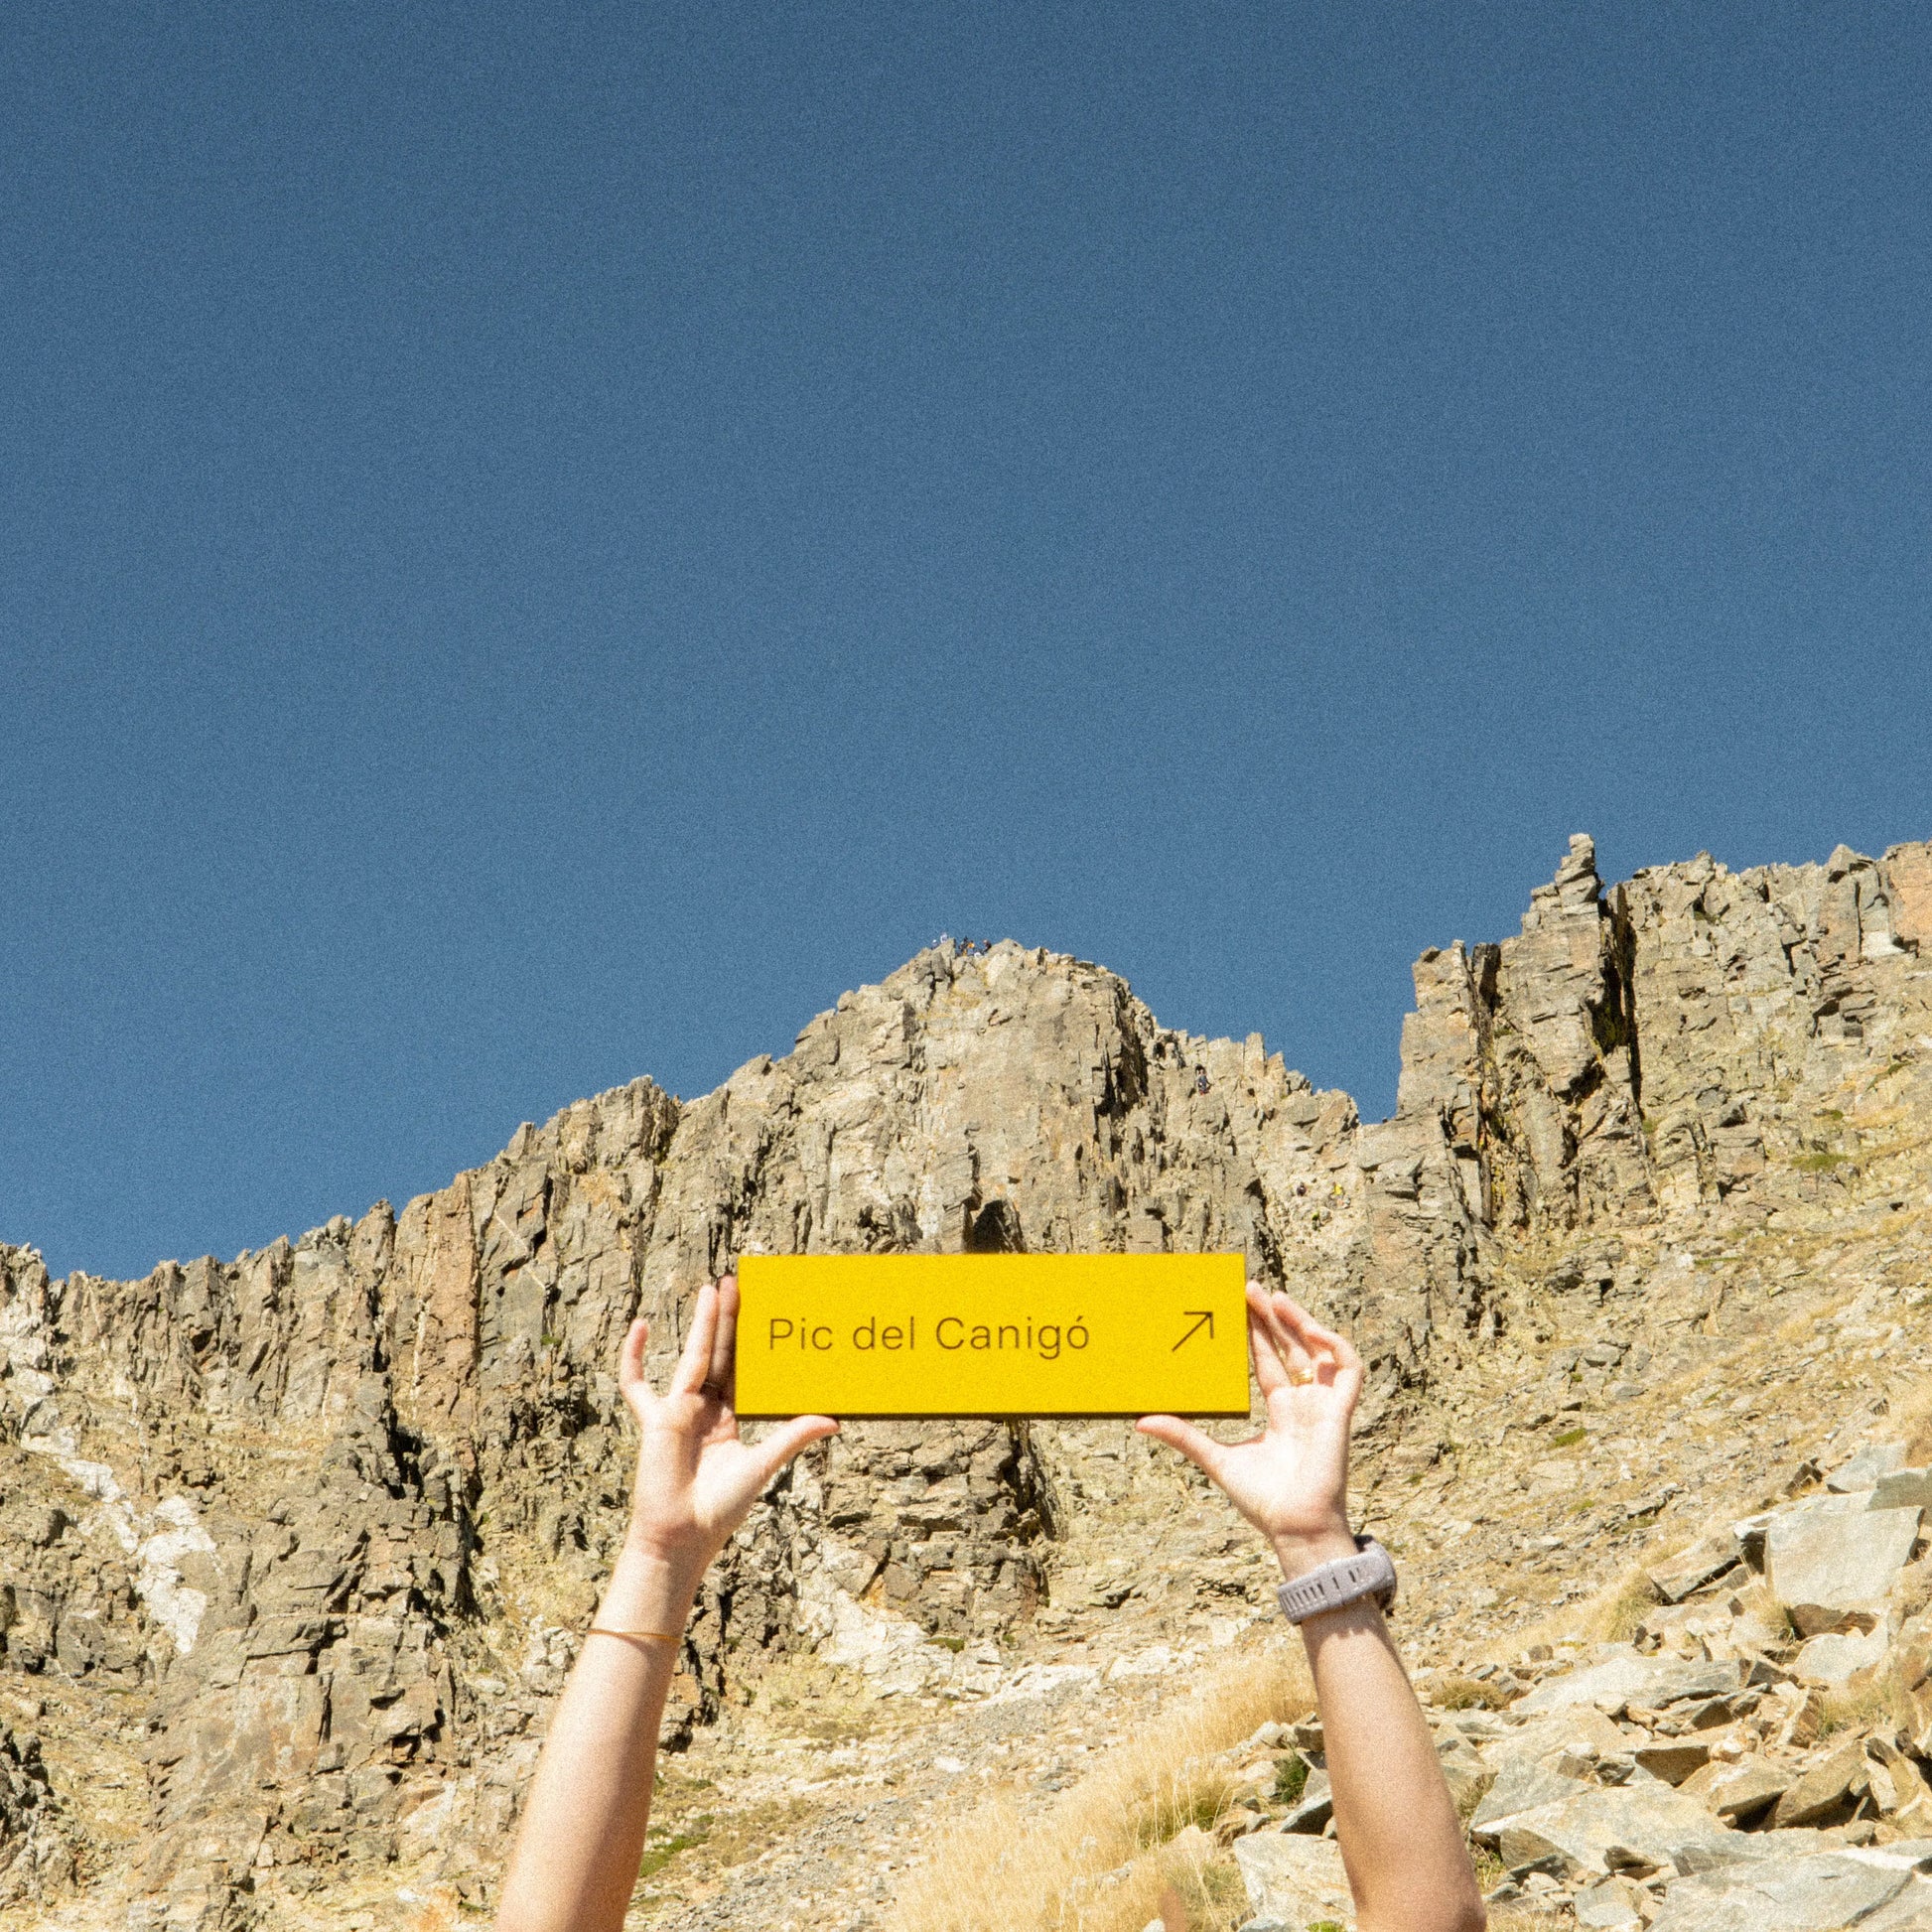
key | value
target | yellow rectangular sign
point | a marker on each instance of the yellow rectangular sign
(902, 1336)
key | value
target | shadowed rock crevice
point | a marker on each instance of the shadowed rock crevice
(993, 1229)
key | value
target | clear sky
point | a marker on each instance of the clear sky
(539, 543)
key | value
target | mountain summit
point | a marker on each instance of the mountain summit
(299, 1541)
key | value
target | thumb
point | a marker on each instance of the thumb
(782, 1444)
(1195, 1445)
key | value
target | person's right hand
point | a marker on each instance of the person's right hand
(696, 1482)
(1292, 1480)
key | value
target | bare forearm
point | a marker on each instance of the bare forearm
(1396, 1825)
(583, 1836)
(583, 1832)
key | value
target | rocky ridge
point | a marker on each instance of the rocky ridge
(297, 1543)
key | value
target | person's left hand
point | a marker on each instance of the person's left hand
(696, 1482)
(1292, 1480)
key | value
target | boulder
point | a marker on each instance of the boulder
(1609, 1906)
(1819, 1894)
(1903, 1490)
(1757, 1846)
(1523, 1784)
(1467, 1774)
(1597, 1831)
(1671, 1759)
(1804, 1719)
(1312, 1811)
(1864, 1468)
(1898, 1786)
(1914, 1852)
(1827, 1791)
(1910, 1911)
(1574, 1732)
(1839, 1655)
(1622, 1676)
(1676, 1577)
(1751, 1532)
(1832, 1567)
(1549, 1758)
(1297, 1879)
(1740, 1790)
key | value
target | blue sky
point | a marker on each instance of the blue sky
(537, 545)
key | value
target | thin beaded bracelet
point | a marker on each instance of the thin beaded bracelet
(663, 1636)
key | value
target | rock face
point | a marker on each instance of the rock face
(1647, 1050)
(336, 1466)
(1525, 1055)
(36, 1849)
(1644, 1052)
(325, 1515)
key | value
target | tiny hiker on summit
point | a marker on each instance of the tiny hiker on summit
(577, 1851)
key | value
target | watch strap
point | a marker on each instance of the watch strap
(1371, 1571)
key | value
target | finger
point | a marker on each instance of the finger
(1354, 1371)
(1300, 1364)
(1269, 1374)
(1321, 1338)
(724, 1341)
(1346, 1352)
(1348, 1384)
(1349, 1372)
(1341, 1364)
(1195, 1445)
(782, 1444)
(1306, 1328)
(1326, 1349)
(694, 1363)
(631, 1380)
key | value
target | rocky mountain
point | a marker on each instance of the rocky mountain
(297, 1543)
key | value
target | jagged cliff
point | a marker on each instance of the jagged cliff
(296, 1541)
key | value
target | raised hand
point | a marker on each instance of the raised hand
(1292, 1480)
(696, 1480)
(1399, 1833)
(583, 1833)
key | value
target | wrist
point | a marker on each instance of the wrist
(650, 1589)
(679, 1550)
(1300, 1551)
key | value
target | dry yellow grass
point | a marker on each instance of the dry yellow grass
(1618, 1611)
(1102, 1855)
(1804, 1324)
(1760, 1602)
(1609, 1616)
(1455, 1691)
(1911, 1420)
(1872, 1698)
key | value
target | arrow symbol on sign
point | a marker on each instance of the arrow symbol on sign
(1200, 1314)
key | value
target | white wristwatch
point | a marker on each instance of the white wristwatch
(1371, 1571)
